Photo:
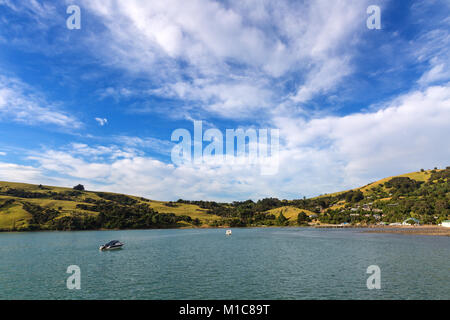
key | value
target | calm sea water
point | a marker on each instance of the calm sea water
(259, 263)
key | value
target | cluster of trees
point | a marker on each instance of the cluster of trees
(113, 215)
(259, 219)
(402, 185)
(110, 216)
(20, 193)
(352, 196)
(39, 215)
(248, 212)
(263, 219)
(75, 221)
(437, 175)
(6, 203)
(238, 208)
(118, 198)
(171, 204)
(25, 194)
(303, 218)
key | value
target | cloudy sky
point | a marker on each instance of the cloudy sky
(98, 105)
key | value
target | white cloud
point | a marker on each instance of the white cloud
(101, 152)
(432, 45)
(21, 103)
(404, 135)
(235, 53)
(155, 179)
(236, 99)
(18, 173)
(43, 14)
(101, 121)
(323, 78)
(439, 68)
(316, 156)
(144, 143)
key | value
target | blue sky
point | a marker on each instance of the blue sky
(352, 105)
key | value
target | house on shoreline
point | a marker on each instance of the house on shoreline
(409, 220)
(446, 223)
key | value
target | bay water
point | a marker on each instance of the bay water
(252, 263)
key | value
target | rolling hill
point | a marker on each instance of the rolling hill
(15, 199)
(419, 176)
(422, 195)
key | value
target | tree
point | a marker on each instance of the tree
(302, 218)
(358, 196)
(79, 187)
(282, 220)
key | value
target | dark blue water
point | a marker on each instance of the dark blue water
(259, 263)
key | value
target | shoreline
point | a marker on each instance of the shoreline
(424, 230)
(429, 230)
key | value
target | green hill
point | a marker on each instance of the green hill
(36, 207)
(419, 176)
(290, 212)
(423, 195)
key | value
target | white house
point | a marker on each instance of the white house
(406, 222)
(446, 223)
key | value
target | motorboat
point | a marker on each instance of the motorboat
(112, 245)
(228, 232)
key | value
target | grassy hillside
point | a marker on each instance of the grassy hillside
(191, 210)
(13, 216)
(66, 204)
(290, 212)
(418, 176)
(422, 195)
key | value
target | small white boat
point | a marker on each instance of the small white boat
(228, 232)
(112, 245)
